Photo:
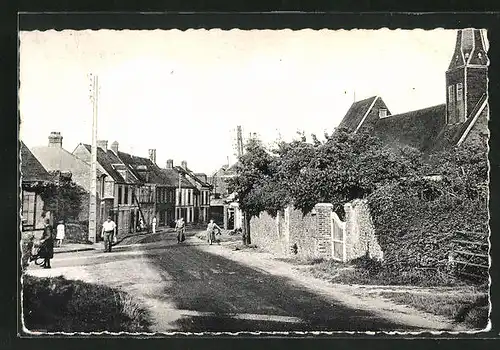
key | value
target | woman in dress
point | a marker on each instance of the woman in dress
(46, 245)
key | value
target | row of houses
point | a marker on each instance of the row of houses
(129, 187)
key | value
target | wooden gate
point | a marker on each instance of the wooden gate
(338, 238)
(470, 256)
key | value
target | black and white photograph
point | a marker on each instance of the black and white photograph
(212, 181)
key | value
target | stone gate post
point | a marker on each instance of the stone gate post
(323, 229)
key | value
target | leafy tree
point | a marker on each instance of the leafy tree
(344, 167)
(250, 184)
(63, 198)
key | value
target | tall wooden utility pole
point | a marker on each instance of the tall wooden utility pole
(180, 197)
(94, 81)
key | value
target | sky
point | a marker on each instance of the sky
(183, 93)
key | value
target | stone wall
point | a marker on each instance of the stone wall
(302, 229)
(312, 233)
(360, 232)
(265, 233)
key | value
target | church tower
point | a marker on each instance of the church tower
(467, 75)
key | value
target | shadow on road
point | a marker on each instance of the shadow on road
(221, 290)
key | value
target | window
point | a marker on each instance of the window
(382, 113)
(125, 195)
(29, 209)
(450, 94)
(102, 187)
(459, 92)
(119, 195)
(189, 197)
(123, 174)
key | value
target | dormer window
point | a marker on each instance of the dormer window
(123, 174)
(382, 113)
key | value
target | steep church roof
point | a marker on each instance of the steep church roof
(358, 110)
(417, 128)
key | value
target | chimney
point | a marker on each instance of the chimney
(152, 155)
(55, 139)
(184, 165)
(114, 147)
(103, 144)
(170, 164)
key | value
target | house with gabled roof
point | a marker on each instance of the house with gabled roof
(154, 179)
(55, 158)
(223, 207)
(34, 179)
(119, 186)
(184, 192)
(463, 118)
(201, 193)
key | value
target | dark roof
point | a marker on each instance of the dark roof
(418, 128)
(451, 134)
(193, 176)
(156, 175)
(356, 113)
(107, 159)
(58, 159)
(173, 178)
(31, 169)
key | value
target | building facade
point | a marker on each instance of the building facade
(224, 210)
(201, 193)
(120, 187)
(34, 179)
(156, 196)
(184, 193)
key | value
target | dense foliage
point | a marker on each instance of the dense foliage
(343, 167)
(64, 199)
(417, 202)
(417, 218)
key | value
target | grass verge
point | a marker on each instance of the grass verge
(60, 305)
(470, 309)
(464, 303)
(366, 271)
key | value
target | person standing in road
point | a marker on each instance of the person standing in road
(46, 244)
(154, 224)
(60, 233)
(180, 227)
(211, 227)
(108, 233)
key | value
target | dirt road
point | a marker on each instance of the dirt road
(193, 287)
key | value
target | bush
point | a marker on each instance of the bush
(60, 305)
(76, 232)
(417, 218)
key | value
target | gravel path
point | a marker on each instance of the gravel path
(193, 287)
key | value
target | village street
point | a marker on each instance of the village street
(194, 287)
